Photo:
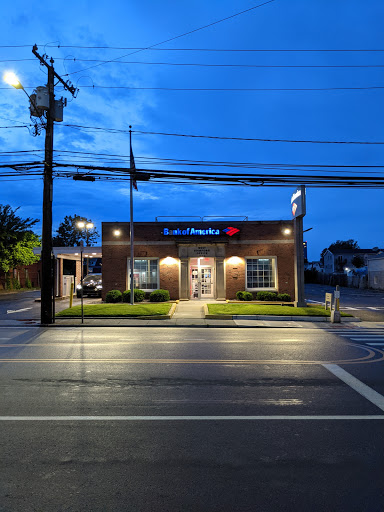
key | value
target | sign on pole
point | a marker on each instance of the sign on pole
(298, 204)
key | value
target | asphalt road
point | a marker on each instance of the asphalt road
(368, 305)
(118, 419)
(26, 307)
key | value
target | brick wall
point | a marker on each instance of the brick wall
(267, 235)
(21, 272)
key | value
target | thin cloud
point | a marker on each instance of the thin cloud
(142, 196)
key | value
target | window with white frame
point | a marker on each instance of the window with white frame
(261, 273)
(145, 274)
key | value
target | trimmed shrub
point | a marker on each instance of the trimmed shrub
(270, 296)
(138, 295)
(244, 296)
(114, 296)
(285, 297)
(159, 296)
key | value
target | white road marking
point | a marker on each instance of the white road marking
(364, 390)
(365, 338)
(362, 334)
(382, 343)
(190, 418)
(16, 310)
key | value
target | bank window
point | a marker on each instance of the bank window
(145, 274)
(261, 273)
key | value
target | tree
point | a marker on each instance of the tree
(16, 239)
(358, 261)
(70, 235)
(21, 253)
(340, 244)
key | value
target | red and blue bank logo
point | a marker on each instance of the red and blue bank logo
(198, 231)
(231, 231)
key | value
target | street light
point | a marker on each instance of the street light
(87, 226)
(11, 79)
(47, 273)
(50, 105)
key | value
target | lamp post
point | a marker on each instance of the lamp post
(87, 226)
(47, 280)
(52, 108)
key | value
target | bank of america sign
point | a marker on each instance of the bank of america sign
(191, 231)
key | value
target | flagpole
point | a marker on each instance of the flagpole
(131, 235)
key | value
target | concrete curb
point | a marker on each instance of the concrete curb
(138, 318)
(273, 317)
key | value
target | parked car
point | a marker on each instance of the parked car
(92, 285)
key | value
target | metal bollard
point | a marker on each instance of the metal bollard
(71, 295)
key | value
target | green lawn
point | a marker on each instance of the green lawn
(260, 309)
(118, 310)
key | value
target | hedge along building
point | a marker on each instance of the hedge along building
(202, 260)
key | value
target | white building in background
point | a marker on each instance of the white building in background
(340, 261)
(376, 272)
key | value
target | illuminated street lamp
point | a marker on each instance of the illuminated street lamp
(11, 79)
(87, 226)
(44, 106)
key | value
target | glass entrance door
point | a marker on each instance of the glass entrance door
(201, 278)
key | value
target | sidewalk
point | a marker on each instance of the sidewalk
(191, 314)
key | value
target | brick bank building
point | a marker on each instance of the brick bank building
(200, 260)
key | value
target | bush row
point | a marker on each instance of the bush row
(114, 296)
(267, 296)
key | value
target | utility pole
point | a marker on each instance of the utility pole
(47, 277)
(298, 204)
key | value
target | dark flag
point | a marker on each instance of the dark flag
(132, 169)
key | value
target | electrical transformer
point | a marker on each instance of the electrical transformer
(42, 98)
(58, 110)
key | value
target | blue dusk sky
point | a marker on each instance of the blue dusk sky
(134, 89)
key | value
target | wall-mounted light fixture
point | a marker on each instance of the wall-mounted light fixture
(234, 260)
(169, 261)
(116, 232)
(287, 231)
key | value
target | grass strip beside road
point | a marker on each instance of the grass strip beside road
(261, 309)
(107, 310)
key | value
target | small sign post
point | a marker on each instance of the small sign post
(335, 313)
(328, 301)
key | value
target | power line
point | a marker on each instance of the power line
(222, 89)
(232, 89)
(181, 35)
(200, 49)
(255, 139)
(186, 161)
(198, 178)
(217, 137)
(201, 64)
